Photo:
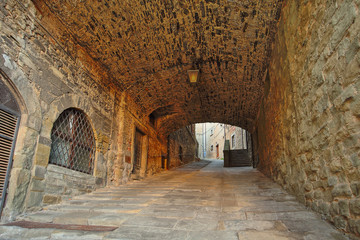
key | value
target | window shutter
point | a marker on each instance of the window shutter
(8, 129)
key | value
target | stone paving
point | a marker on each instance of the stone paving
(202, 200)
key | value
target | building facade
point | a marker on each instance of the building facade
(211, 138)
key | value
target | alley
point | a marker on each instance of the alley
(201, 200)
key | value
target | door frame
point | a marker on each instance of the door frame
(144, 152)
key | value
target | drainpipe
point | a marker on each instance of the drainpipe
(242, 138)
(204, 139)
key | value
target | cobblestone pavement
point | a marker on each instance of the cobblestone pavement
(202, 200)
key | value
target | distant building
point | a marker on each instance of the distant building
(211, 138)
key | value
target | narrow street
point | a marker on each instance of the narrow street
(202, 200)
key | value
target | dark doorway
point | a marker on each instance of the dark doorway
(163, 161)
(137, 151)
(217, 151)
(180, 153)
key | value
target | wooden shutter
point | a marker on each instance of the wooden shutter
(8, 131)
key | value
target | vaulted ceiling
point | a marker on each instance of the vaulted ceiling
(147, 46)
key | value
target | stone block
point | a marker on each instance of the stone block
(38, 172)
(26, 60)
(54, 189)
(33, 121)
(70, 174)
(324, 208)
(355, 188)
(318, 194)
(343, 17)
(332, 181)
(309, 196)
(51, 199)
(18, 188)
(99, 181)
(348, 93)
(355, 206)
(34, 199)
(53, 175)
(344, 208)
(354, 226)
(354, 158)
(335, 165)
(37, 185)
(42, 155)
(341, 190)
(334, 209)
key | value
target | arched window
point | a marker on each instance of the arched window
(73, 143)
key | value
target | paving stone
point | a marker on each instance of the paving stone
(236, 215)
(168, 213)
(80, 218)
(171, 216)
(241, 225)
(154, 233)
(212, 235)
(143, 221)
(303, 215)
(261, 216)
(11, 232)
(37, 234)
(131, 209)
(71, 235)
(108, 219)
(268, 235)
(44, 216)
(307, 225)
(197, 224)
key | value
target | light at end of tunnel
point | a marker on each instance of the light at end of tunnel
(193, 75)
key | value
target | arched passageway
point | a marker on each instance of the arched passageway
(285, 71)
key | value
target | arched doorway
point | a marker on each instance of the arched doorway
(9, 124)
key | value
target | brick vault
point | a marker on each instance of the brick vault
(146, 47)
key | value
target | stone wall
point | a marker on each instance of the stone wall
(62, 183)
(47, 78)
(214, 136)
(47, 81)
(184, 138)
(307, 135)
(239, 137)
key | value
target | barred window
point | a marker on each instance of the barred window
(73, 143)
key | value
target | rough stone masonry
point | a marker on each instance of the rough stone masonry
(45, 79)
(286, 71)
(308, 132)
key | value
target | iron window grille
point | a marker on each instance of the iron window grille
(73, 143)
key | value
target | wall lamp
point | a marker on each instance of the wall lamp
(193, 75)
